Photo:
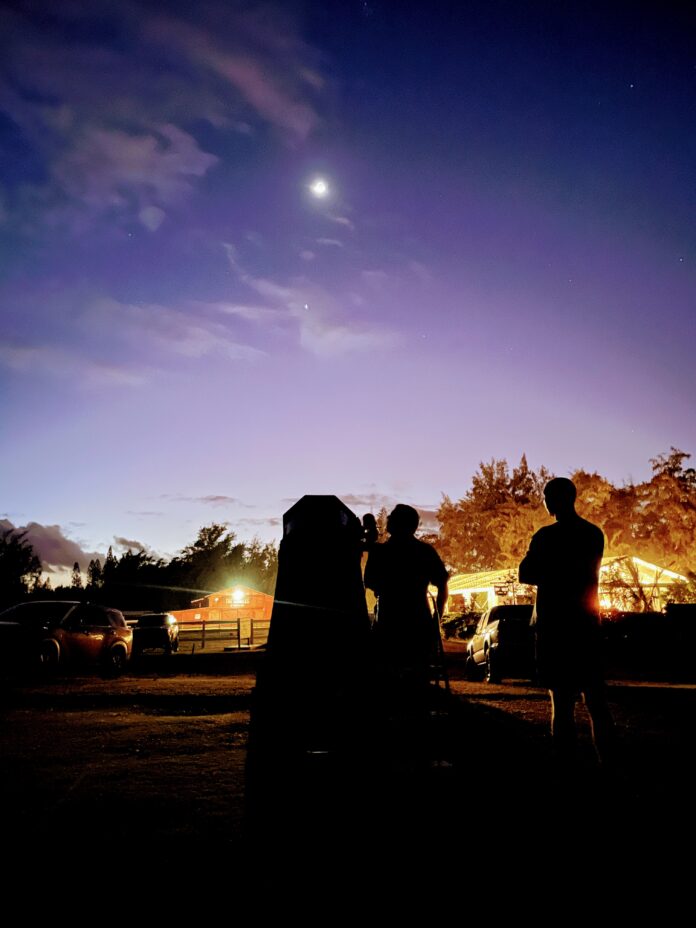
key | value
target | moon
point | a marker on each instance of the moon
(319, 188)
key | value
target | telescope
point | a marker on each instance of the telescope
(317, 654)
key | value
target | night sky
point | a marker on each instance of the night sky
(504, 261)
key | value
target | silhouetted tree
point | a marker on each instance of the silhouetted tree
(76, 577)
(217, 560)
(491, 525)
(95, 574)
(109, 567)
(20, 568)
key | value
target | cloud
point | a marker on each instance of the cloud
(67, 364)
(217, 500)
(106, 95)
(261, 57)
(376, 278)
(243, 311)
(307, 255)
(191, 333)
(342, 221)
(373, 502)
(109, 170)
(421, 271)
(98, 329)
(212, 499)
(313, 311)
(55, 550)
(129, 544)
(145, 512)
(330, 242)
(152, 217)
(370, 501)
(273, 522)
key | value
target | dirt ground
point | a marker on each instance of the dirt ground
(154, 769)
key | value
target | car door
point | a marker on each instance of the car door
(479, 637)
(84, 632)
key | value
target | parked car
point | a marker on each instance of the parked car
(156, 630)
(503, 643)
(54, 633)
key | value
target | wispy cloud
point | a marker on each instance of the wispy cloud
(373, 502)
(110, 121)
(262, 59)
(272, 522)
(330, 242)
(375, 278)
(129, 544)
(47, 359)
(190, 333)
(151, 336)
(109, 170)
(319, 317)
(211, 499)
(342, 221)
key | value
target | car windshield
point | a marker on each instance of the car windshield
(520, 614)
(37, 613)
(152, 621)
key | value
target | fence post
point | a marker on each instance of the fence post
(203, 634)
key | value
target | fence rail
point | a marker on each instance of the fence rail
(242, 633)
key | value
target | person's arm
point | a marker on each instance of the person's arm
(531, 566)
(441, 600)
(439, 578)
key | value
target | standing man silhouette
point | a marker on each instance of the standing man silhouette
(563, 563)
(400, 572)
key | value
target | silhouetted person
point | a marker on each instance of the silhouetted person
(370, 532)
(563, 563)
(400, 572)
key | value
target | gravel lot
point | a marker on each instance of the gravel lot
(151, 769)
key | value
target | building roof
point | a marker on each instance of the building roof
(485, 579)
(229, 591)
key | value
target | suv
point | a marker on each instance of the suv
(503, 642)
(156, 630)
(52, 633)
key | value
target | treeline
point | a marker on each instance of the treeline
(490, 526)
(137, 580)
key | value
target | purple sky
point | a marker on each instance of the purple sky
(504, 264)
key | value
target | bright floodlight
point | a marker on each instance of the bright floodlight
(319, 187)
(238, 596)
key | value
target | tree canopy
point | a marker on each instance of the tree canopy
(20, 568)
(490, 527)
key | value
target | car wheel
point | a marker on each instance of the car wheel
(492, 672)
(116, 660)
(470, 669)
(49, 654)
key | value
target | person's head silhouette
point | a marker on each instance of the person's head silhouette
(559, 497)
(402, 521)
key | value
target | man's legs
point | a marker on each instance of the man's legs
(603, 731)
(563, 721)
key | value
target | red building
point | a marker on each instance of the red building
(239, 606)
